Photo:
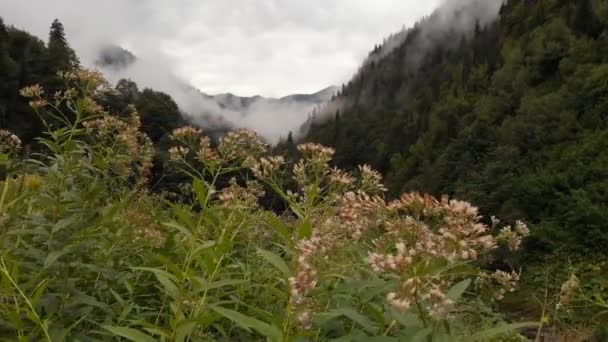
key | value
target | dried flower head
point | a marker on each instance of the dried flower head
(187, 133)
(178, 153)
(567, 293)
(238, 196)
(341, 178)
(499, 283)
(133, 150)
(371, 180)
(241, 144)
(85, 79)
(33, 91)
(513, 238)
(9, 143)
(265, 167)
(361, 212)
(317, 154)
(205, 153)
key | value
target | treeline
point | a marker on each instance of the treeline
(27, 60)
(513, 118)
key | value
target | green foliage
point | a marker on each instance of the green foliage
(87, 253)
(512, 118)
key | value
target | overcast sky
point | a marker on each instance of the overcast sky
(247, 47)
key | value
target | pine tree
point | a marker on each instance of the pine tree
(61, 55)
(337, 127)
(8, 75)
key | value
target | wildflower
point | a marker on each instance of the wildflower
(567, 292)
(246, 196)
(511, 237)
(241, 144)
(134, 149)
(9, 143)
(266, 167)
(185, 133)
(92, 80)
(401, 304)
(317, 154)
(178, 153)
(461, 208)
(38, 104)
(33, 91)
(371, 180)
(521, 228)
(205, 153)
(360, 212)
(90, 106)
(340, 178)
(305, 319)
(499, 283)
(32, 182)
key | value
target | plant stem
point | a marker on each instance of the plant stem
(4, 191)
(38, 321)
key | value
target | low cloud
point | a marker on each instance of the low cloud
(267, 47)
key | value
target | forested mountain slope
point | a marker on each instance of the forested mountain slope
(513, 118)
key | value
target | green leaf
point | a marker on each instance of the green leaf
(63, 223)
(179, 228)
(40, 289)
(305, 229)
(206, 286)
(200, 190)
(407, 319)
(52, 257)
(275, 261)
(278, 226)
(497, 331)
(351, 314)
(184, 329)
(422, 335)
(129, 333)
(167, 279)
(269, 331)
(203, 246)
(458, 290)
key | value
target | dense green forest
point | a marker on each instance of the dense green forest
(513, 117)
(119, 223)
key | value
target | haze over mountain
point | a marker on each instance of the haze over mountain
(273, 118)
(269, 48)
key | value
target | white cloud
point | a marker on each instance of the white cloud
(247, 47)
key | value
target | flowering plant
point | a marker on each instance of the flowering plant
(88, 250)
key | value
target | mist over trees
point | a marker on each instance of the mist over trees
(510, 115)
(26, 60)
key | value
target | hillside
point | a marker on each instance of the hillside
(510, 114)
(134, 214)
(271, 117)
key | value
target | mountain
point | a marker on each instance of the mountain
(507, 111)
(273, 118)
(115, 57)
(244, 104)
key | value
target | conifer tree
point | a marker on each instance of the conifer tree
(8, 73)
(61, 55)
